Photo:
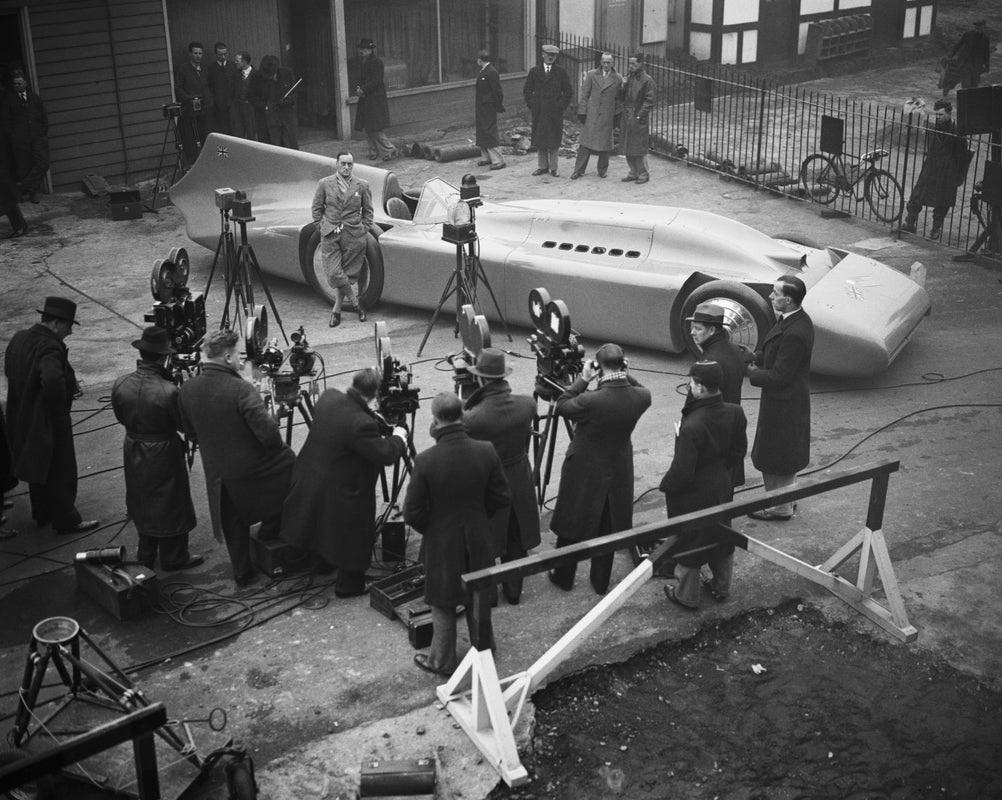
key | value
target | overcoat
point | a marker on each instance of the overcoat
(711, 440)
(157, 492)
(637, 100)
(547, 94)
(937, 181)
(599, 101)
(242, 448)
(719, 348)
(331, 507)
(972, 53)
(489, 103)
(493, 414)
(598, 466)
(455, 487)
(276, 114)
(373, 111)
(40, 388)
(7, 479)
(782, 370)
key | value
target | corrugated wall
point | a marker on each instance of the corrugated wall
(103, 75)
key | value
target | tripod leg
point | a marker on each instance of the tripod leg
(551, 447)
(450, 287)
(479, 270)
(35, 671)
(252, 260)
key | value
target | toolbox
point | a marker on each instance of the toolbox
(386, 594)
(125, 592)
(381, 778)
(124, 203)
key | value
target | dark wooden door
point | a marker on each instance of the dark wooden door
(777, 33)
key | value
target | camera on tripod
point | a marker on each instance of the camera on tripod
(179, 311)
(397, 397)
(280, 387)
(235, 203)
(171, 110)
(476, 335)
(559, 355)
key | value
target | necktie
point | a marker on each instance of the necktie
(24, 97)
(547, 68)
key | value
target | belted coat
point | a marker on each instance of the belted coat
(599, 101)
(489, 99)
(157, 491)
(241, 446)
(598, 466)
(331, 507)
(493, 414)
(455, 487)
(940, 174)
(637, 100)
(547, 94)
(782, 370)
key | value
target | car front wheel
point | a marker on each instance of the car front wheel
(368, 279)
(747, 315)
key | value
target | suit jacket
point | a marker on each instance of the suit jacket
(222, 82)
(23, 121)
(493, 414)
(157, 492)
(547, 94)
(242, 448)
(782, 369)
(351, 210)
(598, 466)
(455, 487)
(190, 83)
(40, 388)
(489, 103)
(719, 348)
(599, 100)
(711, 440)
(331, 507)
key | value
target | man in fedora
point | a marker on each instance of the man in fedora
(709, 332)
(547, 93)
(372, 114)
(41, 387)
(157, 493)
(494, 414)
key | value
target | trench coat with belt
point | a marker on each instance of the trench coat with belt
(638, 100)
(599, 101)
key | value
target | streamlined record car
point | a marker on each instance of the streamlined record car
(629, 273)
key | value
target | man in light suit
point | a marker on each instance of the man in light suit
(342, 211)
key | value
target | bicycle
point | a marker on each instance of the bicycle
(824, 177)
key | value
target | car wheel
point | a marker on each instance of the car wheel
(369, 280)
(747, 315)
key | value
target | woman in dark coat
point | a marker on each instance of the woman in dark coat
(331, 508)
(366, 75)
(940, 176)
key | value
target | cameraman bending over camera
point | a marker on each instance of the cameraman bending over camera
(342, 211)
(596, 480)
(494, 414)
(247, 465)
(331, 508)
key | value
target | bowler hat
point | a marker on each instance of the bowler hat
(154, 340)
(365, 43)
(60, 307)
(550, 48)
(708, 313)
(490, 364)
(707, 373)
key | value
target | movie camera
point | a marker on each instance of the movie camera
(178, 310)
(234, 202)
(476, 335)
(171, 110)
(559, 355)
(397, 398)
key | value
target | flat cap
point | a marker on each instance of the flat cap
(550, 48)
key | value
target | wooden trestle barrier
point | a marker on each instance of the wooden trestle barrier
(488, 707)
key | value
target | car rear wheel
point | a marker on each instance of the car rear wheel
(747, 315)
(368, 280)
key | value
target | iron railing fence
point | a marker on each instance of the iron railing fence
(753, 129)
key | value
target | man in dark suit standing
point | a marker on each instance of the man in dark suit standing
(494, 414)
(331, 508)
(191, 88)
(596, 480)
(275, 99)
(221, 76)
(708, 331)
(248, 467)
(456, 486)
(242, 121)
(41, 387)
(782, 369)
(711, 440)
(372, 114)
(489, 100)
(26, 129)
(547, 93)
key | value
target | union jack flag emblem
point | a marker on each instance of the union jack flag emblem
(222, 151)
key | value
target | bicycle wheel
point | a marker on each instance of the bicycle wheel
(884, 195)
(819, 179)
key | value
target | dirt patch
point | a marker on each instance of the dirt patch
(776, 704)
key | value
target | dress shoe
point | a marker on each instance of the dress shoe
(361, 313)
(720, 597)
(575, 175)
(18, 232)
(502, 165)
(628, 178)
(602, 174)
(81, 527)
(767, 515)
(907, 227)
(936, 232)
(511, 595)
(335, 319)
(483, 162)
(558, 583)
(670, 594)
(538, 172)
(33, 198)
(8, 505)
(7, 533)
(643, 179)
(192, 561)
(421, 659)
(553, 172)
(350, 593)
(248, 579)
